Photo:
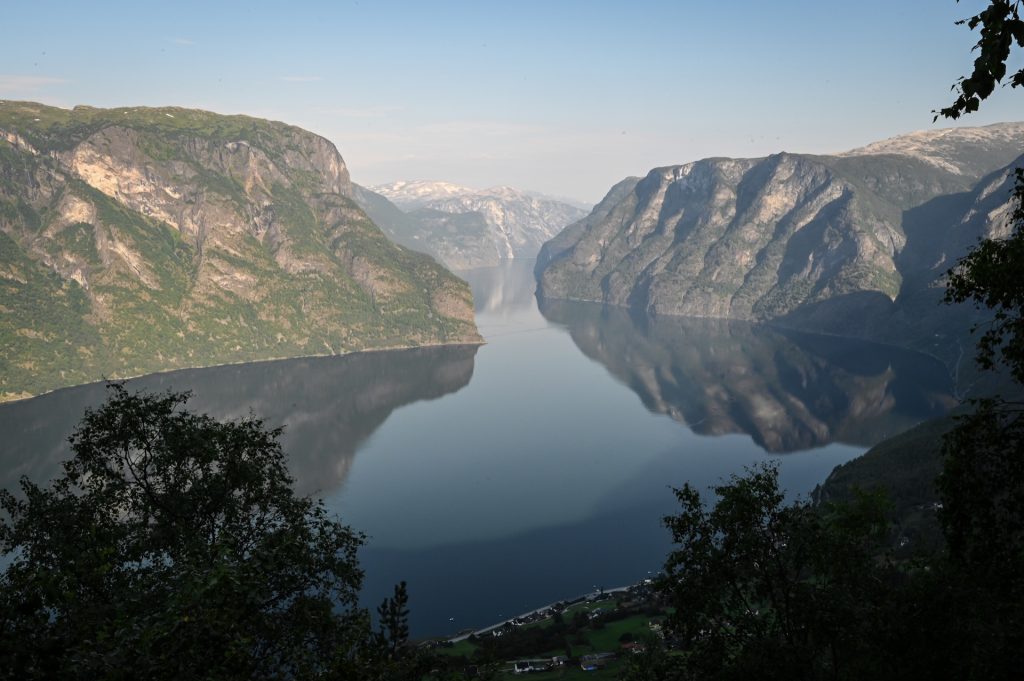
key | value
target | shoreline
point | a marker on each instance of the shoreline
(390, 348)
(578, 599)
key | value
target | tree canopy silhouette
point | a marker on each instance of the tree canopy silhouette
(173, 546)
(1000, 28)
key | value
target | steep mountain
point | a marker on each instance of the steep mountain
(461, 241)
(140, 240)
(851, 243)
(565, 240)
(467, 228)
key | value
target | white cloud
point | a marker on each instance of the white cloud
(21, 84)
(182, 41)
(301, 79)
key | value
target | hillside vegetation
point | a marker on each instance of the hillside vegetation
(138, 240)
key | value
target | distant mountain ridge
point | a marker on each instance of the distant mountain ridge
(135, 240)
(963, 151)
(852, 243)
(412, 194)
(464, 227)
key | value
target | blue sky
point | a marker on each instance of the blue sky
(562, 97)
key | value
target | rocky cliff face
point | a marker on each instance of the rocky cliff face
(833, 243)
(138, 240)
(466, 228)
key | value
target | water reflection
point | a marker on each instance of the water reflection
(788, 391)
(329, 406)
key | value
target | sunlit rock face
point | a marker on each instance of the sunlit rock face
(853, 243)
(139, 240)
(788, 391)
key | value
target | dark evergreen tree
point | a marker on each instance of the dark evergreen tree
(394, 620)
(767, 590)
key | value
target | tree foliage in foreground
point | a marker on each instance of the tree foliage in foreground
(982, 483)
(173, 546)
(1000, 28)
(765, 589)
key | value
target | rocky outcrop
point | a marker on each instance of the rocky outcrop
(831, 243)
(140, 240)
(467, 228)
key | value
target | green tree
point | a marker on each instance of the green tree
(765, 589)
(394, 615)
(989, 276)
(173, 546)
(1000, 27)
(982, 483)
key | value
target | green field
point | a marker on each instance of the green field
(581, 636)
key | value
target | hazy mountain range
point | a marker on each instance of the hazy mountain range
(139, 240)
(853, 243)
(466, 228)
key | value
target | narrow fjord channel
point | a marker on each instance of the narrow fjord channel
(538, 466)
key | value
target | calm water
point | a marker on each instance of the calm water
(499, 479)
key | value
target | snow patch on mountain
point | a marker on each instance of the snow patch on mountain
(519, 222)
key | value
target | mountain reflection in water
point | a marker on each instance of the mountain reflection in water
(788, 391)
(328, 405)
